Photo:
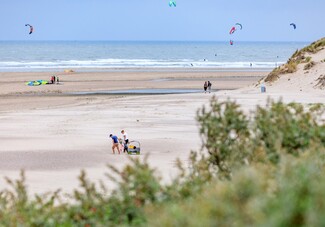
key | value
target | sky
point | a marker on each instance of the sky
(191, 20)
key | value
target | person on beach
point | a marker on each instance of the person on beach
(205, 86)
(57, 80)
(121, 144)
(125, 140)
(209, 86)
(115, 143)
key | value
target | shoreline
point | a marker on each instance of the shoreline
(141, 69)
(14, 83)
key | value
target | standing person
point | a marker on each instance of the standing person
(121, 144)
(205, 86)
(115, 143)
(57, 80)
(209, 86)
(126, 140)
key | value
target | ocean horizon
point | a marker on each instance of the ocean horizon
(108, 55)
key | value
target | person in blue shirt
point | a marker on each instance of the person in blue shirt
(115, 143)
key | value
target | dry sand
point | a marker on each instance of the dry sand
(53, 135)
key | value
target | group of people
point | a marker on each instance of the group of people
(121, 144)
(54, 79)
(207, 86)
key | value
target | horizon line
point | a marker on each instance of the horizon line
(103, 40)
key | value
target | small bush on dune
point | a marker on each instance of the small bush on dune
(289, 67)
(274, 75)
(309, 65)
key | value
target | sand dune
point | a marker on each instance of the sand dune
(309, 76)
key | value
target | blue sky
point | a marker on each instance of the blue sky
(204, 20)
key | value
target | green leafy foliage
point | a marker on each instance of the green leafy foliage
(286, 128)
(224, 130)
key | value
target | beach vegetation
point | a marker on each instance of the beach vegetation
(264, 168)
(308, 59)
(320, 82)
(314, 47)
(298, 57)
(224, 132)
(289, 67)
(309, 65)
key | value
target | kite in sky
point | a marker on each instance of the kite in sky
(232, 30)
(172, 3)
(31, 29)
(294, 25)
(241, 26)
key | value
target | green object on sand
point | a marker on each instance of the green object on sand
(37, 82)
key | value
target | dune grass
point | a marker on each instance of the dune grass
(299, 57)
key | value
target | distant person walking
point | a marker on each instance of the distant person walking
(125, 140)
(209, 86)
(205, 86)
(115, 143)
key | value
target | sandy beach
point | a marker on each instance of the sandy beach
(52, 131)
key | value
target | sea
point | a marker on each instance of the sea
(30, 56)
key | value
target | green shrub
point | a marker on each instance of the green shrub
(300, 194)
(292, 195)
(137, 186)
(224, 131)
(286, 128)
